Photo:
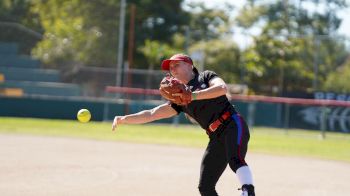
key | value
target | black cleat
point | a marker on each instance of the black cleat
(247, 190)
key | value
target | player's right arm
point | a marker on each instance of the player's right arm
(162, 111)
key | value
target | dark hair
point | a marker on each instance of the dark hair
(195, 70)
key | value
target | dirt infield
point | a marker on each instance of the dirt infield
(37, 166)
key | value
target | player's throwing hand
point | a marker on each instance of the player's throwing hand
(115, 122)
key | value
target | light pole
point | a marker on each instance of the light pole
(120, 43)
(316, 56)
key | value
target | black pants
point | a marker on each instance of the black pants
(227, 145)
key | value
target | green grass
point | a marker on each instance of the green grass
(335, 146)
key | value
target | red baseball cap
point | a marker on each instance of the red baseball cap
(176, 57)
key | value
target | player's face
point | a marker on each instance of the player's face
(179, 69)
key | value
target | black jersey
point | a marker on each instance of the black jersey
(207, 110)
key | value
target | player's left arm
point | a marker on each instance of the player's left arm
(162, 111)
(217, 87)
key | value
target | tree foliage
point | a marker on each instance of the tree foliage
(209, 34)
(156, 20)
(295, 49)
(87, 31)
(338, 81)
(155, 52)
(209, 23)
(77, 31)
(222, 56)
(19, 25)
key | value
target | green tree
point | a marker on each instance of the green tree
(295, 49)
(87, 31)
(209, 23)
(222, 56)
(272, 64)
(156, 20)
(209, 33)
(338, 81)
(154, 51)
(77, 31)
(19, 25)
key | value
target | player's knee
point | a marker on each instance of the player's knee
(236, 163)
(207, 190)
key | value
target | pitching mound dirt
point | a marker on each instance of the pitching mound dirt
(38, 166)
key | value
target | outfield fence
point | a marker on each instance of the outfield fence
(287, 113)
(323, 115)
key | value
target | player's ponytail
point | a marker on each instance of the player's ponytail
(195, 70)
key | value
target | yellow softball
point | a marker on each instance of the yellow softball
(84, 115)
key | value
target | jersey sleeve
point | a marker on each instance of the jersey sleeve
(176, 107)
(208, 75)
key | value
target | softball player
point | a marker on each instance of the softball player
(227, 130)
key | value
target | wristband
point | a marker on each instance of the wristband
(194, 96)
